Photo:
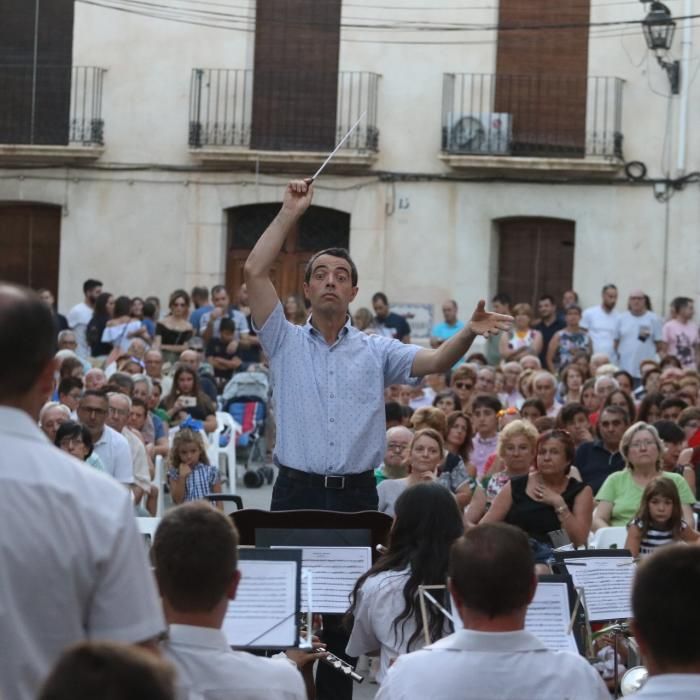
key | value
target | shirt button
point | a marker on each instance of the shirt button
(332, 396)
(331, 372)
(332, 420)
(331, 444)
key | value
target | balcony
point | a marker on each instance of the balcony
(223, 130)
(532, 126)
(51, 115)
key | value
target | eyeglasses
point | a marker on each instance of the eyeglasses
(96, 411)
(395, 447)
(464, 385)
(642, 443)
(118, 411)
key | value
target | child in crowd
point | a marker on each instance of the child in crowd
(190, 476)
(222, 352)
(485, 410)
(659, 519)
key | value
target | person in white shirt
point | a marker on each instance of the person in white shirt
(73, 563)
(79, 316)
(492, 581)
(195, 551)
(385, 610)
(111, 447)
(666, 619)
(601, 322)
(639, 335)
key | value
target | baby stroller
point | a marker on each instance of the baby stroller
(245, 398)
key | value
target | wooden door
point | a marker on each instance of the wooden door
(536, 256)
(30, 237)
(319, 228)
(295, 78)
(541, 75)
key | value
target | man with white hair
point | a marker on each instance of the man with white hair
(117, 419)
(511, 397)
(95, 379)
(639, 335)
(153, 364)
(544, 385)
(398, 439)
(598, 359)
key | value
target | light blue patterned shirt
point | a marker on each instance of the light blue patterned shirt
(329, 399)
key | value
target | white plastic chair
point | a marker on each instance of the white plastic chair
(158, 480)
(610, 537)
(227, 465)
(148, 526)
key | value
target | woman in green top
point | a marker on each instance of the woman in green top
(620, 495)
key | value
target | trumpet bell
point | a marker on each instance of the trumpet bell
(633, 680)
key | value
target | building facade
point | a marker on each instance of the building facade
(491, 154)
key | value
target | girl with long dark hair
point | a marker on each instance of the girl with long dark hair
(385, 609)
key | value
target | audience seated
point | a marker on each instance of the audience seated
(398, 439)
(187, 399)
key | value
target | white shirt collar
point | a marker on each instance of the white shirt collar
(470, 640)
(18, 422)
(191, 635)
(667, 684)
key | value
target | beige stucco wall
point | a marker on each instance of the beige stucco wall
(150, 231)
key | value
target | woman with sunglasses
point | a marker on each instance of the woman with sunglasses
(175, 329)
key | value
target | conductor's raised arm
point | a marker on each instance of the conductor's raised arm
(261, 291)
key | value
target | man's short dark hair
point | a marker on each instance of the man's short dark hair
(687, 415)
(218, 288)
(486, 401)
(665, 607)
(200, 293)
(109, 671)
(569, 411)
(608, 286)
(492, 569)
(673, 402)
(548, 297)
(67, 384)
(27, 341)
(502, 298)
(669, 431)
(140, 403)
(336, 253)
(100, 393)
(380, 296)
(71, 429)
(679, 303)
(392, 412)
(149, 309)
(195, 551)
(91, 284)
(227, 324)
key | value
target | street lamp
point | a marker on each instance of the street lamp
(659, 27)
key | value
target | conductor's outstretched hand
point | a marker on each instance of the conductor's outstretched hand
(488, 323)
(297, 197)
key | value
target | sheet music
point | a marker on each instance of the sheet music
(549, 615)
(263, 613)
(335, 571)
(607, 583)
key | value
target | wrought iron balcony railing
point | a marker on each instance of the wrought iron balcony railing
(532, 116)
(221, 112)
(51, 105)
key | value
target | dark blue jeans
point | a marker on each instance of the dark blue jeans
(290, 494)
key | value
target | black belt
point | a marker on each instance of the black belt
(330, 481)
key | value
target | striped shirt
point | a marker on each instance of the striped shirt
(199, 482)
(654, 537)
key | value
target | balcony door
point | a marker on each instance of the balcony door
(542, 75)
(536, 257)
(319, 228)
(30, 240)
(295, 80)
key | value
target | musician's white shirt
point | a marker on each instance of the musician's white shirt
(379, 602)
(496, 666)
(671, 686)
(207, 667)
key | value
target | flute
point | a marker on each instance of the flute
(341, 666)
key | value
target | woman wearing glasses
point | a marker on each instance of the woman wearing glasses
(621, 493)
(547, 500)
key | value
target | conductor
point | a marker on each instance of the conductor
(328, 377)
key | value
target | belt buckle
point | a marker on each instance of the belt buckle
(334, 482)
